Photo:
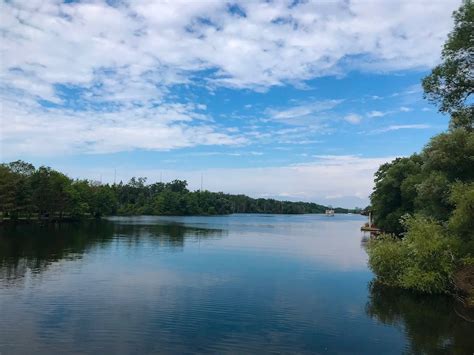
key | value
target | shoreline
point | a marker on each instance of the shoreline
(8, 221)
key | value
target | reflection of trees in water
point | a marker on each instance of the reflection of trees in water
(33, 248)
(172, 235)
(431, 323)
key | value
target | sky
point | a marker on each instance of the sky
(294, 100)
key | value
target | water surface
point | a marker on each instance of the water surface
(226, 284)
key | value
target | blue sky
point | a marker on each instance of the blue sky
(292, 100)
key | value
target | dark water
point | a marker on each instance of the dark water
(233, 284)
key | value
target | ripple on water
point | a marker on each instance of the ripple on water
(238, 284)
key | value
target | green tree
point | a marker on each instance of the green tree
(451, 153)
(432, 196)
(395, 192)
(178, 186)
(22, 168)
(51, 191)
(103, 201)
(424, 260)
(7, 190)
(438, 189)
(451, 84)
(23, 172)
(461, 222)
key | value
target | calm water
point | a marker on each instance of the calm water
(240, 284)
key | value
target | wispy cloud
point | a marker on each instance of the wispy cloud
(232, 153)
(296, 114)
(374, 114)
(398, 127)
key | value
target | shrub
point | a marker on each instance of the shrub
(423, 260)
(386, 258)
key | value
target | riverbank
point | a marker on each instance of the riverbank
(36, 220)
(464, 282)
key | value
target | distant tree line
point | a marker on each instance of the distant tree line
(27, 192)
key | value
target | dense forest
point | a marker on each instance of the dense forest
(425, 202)
(27, 192)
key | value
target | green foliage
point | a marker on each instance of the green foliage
(422, 183)
(451, 84)
(386, 258)
(395, 192)
(432, 198)
(451, 153)
(15, 194)
(461, 222)
(7, 189)
(437, 186)
(463, 118)
(431, 256)
(424, 260)
(49, 194)
(103, 201)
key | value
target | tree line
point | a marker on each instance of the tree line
(425, 202)
(27, 192)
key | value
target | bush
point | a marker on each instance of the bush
(423, 260)
(386, 258)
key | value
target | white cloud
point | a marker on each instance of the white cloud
(119, 59)
(374, 114)
(301, 122)
(398, 127)
(35, 131)
(232, 153)
(353, 118)
(300, 113)
(151, 44)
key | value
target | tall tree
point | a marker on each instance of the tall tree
(22, 171)
(395, 191)
(451, 84)
(7, 190)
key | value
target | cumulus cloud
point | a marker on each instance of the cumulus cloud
(118, 57)
(266, 44)
(37, 131)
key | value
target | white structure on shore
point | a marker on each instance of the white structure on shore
(330, 212)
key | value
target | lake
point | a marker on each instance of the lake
(224, 284)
